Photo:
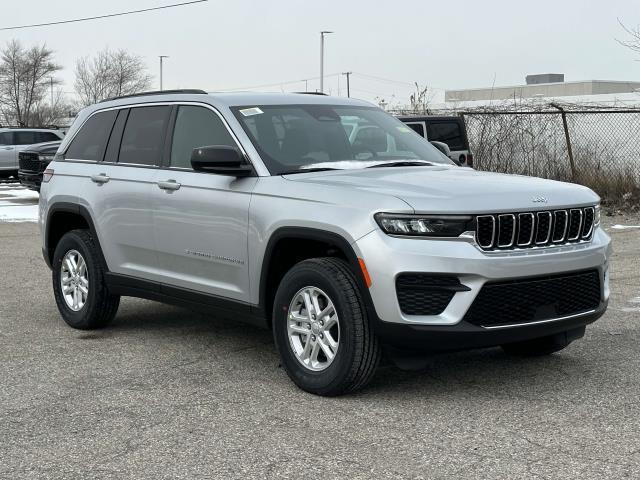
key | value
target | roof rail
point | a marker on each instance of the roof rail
(312, 93)
(157, 92)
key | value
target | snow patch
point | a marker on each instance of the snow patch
(18, 204)
(624, 227)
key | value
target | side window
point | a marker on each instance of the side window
(42, 137)
(447, 132)
(24, 138)
(5, 138)
(196, 127)
(417, 127)
(143, 137)
(91, 140)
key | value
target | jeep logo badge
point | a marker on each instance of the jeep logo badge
(539, 199)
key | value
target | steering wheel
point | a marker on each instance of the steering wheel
(363, 148)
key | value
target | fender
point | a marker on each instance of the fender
(305, 233)
(67, 207)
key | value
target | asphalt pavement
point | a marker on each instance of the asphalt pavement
(168, 393)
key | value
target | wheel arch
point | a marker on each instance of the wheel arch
(333, 243)
(63, 217)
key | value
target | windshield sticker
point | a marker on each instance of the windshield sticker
(248, 112)
(403, 129)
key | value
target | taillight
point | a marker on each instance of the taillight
(47, 174)
(469, 159)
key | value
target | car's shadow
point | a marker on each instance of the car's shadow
(482, 373)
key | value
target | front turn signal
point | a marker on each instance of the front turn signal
(365, 272)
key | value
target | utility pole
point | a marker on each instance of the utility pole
(162, 57)
(51, 83)
(322, 34)
(347, 75)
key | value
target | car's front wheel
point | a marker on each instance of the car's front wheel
(78, 282)
(321, 328)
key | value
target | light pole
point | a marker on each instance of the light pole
(347, 74)
(162, 57)
(322, 34)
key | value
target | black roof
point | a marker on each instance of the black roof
(417, 117)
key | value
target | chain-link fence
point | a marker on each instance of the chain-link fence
(594, 147)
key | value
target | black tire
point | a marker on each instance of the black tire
(544, 345)
(358, 353)
(100, 307)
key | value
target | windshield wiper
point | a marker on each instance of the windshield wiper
(403, 163)
(307, 170)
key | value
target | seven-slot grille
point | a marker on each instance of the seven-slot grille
(534, 229)
(29, 162)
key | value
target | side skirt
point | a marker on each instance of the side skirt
(128, 286)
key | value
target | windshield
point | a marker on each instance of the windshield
(292, 137)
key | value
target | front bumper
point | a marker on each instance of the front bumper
(386, 257)
(465, 336)
(31, 180)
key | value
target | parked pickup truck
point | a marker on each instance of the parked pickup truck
(33, 161)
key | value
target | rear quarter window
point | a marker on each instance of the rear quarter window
(91, 141)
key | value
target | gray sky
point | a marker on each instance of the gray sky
(444, 44)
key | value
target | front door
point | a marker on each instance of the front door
(201, 219)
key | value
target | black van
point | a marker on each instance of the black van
(449, 130)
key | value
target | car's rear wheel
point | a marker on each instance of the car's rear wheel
(544, 345)
(78, 282)
(321, 328)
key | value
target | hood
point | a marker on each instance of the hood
(448, 189)
(45, 148)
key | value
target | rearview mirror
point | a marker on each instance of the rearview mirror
(443, 147)
(220, 159)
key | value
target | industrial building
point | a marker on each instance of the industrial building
(541, 86)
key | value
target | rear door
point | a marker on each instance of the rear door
(201, 219)
(117, 154)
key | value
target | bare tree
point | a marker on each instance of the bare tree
(110, 74)
(420, 99)
(52, 111)
(25, 75)
(633, 41)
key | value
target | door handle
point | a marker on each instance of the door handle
(170, 185)
(8, 148)
(100, 178)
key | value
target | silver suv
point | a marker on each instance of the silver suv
(15, 140)
(261, 206)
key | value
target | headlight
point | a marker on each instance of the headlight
(424, 225)
(45, 158)
(596, 216)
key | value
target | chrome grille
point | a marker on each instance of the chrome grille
(534, 229)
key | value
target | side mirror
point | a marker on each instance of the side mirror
(443, 147)
(220, 159)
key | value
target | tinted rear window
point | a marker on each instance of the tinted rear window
(143, 137)
(91, 140)
(447, 132)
